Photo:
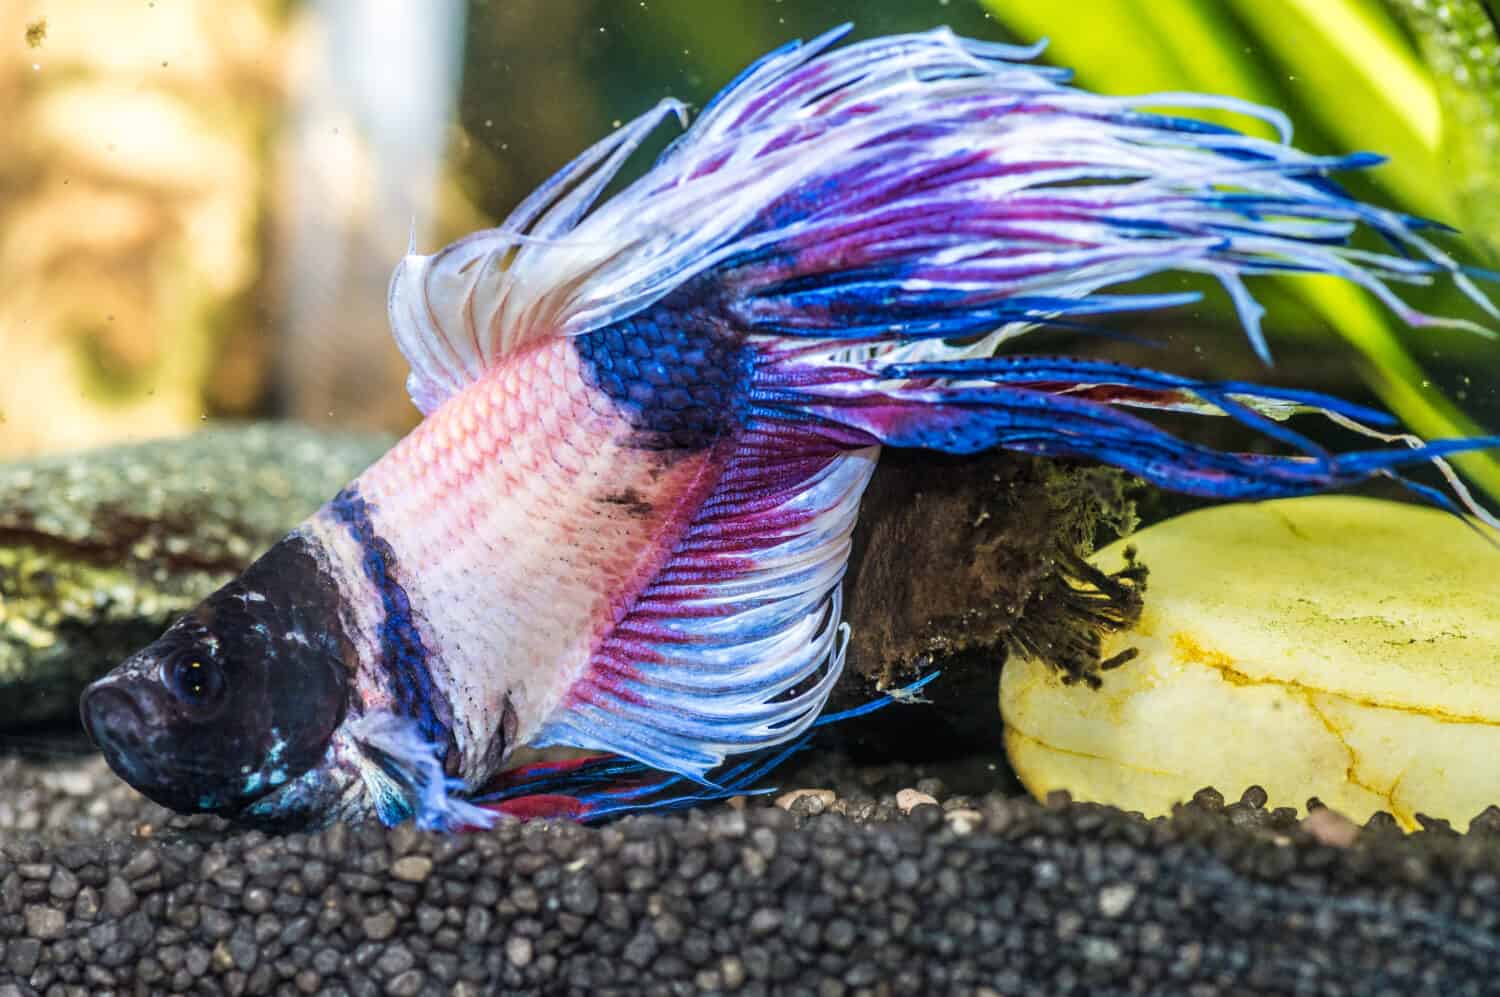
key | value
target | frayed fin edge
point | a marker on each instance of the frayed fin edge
(405, 779)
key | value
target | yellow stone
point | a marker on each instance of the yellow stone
(1340, 648)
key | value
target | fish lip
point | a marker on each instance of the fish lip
(114, 721)
(101, 724)
(120, 716)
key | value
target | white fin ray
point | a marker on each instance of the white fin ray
(404, 777)
(458, 311)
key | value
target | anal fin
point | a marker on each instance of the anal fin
(735, 646)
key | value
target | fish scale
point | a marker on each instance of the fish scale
(673, 371)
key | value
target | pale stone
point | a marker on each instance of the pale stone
(908, 800)
(820, 799)
(1331, 828)
(963, 820)
(412, 868)
(1336, 647)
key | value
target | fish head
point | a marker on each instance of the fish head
(237, 704)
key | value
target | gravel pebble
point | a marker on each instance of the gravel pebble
(518, 950)
(807, 801)
(997, 894)
(379, 927)
(909, 799)
(412, 868)
(45, 923)
(1115, 899)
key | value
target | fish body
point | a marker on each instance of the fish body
(623, 524)
(531, 483)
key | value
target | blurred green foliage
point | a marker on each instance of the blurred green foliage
(1461, 42)
(1352, 77)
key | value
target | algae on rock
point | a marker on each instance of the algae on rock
(957, 560)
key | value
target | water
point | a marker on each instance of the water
(202, 201)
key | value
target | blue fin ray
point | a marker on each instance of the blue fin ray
(969, 419)
(612, 785)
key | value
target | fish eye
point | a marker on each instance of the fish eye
(193, 677)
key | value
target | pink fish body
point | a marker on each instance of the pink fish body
(623, 524)
(531, 524)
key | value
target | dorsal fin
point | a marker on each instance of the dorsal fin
(459, 311)
(914, 186)
(559, 267)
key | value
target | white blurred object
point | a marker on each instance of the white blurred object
(371, 110)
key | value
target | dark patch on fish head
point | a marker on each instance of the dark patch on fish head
(239, 698)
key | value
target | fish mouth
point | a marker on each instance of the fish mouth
(133, 728)
(118, 727)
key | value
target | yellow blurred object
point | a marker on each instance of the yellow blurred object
(130, 205)
(1331, 647)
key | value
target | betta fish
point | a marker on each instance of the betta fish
(649, 418)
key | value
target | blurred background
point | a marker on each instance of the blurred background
(201, 200)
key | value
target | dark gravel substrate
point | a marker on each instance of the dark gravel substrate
(101, 893)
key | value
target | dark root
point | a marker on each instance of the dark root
(1065, 620)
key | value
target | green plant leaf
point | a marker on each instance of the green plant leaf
(1463, 48)
(1315, 60)
(1359, 79)
(1144, 46)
